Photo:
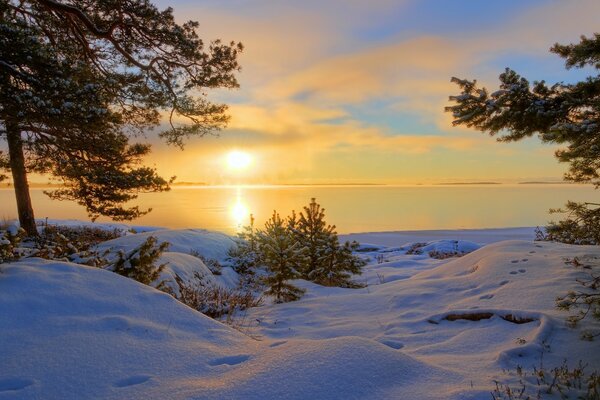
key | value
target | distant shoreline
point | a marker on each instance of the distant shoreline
(38, 185)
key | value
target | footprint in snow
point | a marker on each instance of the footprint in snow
(278, 343)
(486, 297)
(231, 360)
(532, 252)
(132, 380)
(522, 270)
(14, 384)
(513, 272)
(514, 261)
(525, 259)
(394, 344)
(503, 283)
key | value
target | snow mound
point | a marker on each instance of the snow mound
(193, 270)
(423, 329)
(208, 244)
(475, 315)
(445, 247)
(71, 332)
(186, 267)
(341, 368)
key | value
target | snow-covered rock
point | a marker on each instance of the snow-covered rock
(208, 244)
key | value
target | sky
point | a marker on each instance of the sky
(349, 91)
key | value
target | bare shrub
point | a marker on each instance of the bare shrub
(562, 381)
(214, 301)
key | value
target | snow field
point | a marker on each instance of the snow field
(423, 328)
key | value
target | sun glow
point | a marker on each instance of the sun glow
(238, 160)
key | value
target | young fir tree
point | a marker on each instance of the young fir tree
(567, 114)
(140, 263)
(281, 254)
(311, 230)
(245, 255)
(338, 264)
(327, 262)
(77, 77)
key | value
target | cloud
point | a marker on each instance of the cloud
(308, 67)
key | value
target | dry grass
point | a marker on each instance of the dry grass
(215, 301)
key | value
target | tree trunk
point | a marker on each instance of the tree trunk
(19, 174)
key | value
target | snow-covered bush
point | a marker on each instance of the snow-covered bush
(72, 243)
(9, 245)
(140, 263)
(416, 248)
(214, 301)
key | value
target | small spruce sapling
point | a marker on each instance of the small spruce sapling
(281, 254)
(327, 263)
(140, 263)
(312, 231)
(338, 264)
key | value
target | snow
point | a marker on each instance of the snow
(69, 331)
(480, 236)
(209, 244)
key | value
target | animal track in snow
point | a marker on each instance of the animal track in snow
(513, 272)
(503, 283)
(486, 297)
(278, 343)
(132, 380)
(394, 344)
(14, 384)
(231, 360)
(522, 270)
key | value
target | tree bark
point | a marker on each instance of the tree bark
(19, 174)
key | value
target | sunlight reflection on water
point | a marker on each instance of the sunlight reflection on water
(239, 211)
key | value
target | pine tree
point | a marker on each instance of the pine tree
(245, 255)
(338, 264)
(566, 114)
(281, 254)
(77, 77)
(312, 232)
(327, 262)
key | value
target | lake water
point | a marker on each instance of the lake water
(350, 208)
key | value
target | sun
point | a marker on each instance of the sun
(238, 160)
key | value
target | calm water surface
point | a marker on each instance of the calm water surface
(350, 208)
